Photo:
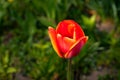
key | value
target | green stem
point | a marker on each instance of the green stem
(69, 72)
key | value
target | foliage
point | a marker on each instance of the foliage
(26, 51)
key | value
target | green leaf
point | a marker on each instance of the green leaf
(89, 21)
(1, 69)
(47, 22)
(11, 70)
(6, 58)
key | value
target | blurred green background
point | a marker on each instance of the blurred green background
(27, 54)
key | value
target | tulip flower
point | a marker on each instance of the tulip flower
(67, 39)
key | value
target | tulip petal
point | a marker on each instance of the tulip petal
(69, 27)
(64, 43)
(62, 29)
(78, 32)
(75, 49)
(69, 42)
(53, 37)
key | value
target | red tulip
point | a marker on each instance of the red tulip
(67, 39)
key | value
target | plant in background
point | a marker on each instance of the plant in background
(67, 40)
